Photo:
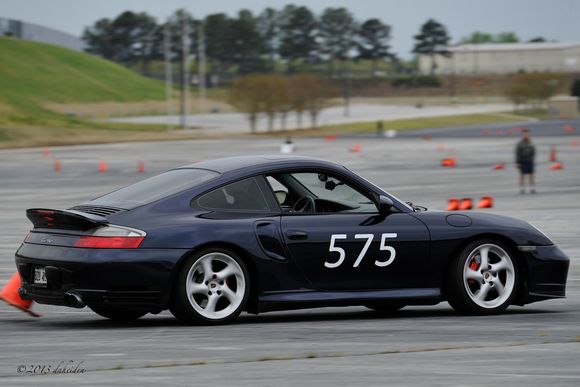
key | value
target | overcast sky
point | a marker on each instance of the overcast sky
(552, 19)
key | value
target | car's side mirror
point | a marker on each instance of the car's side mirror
(385, 204)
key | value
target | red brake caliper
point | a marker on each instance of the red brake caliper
(473, 266)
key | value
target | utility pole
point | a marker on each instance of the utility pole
(185, 40)
(347, 86)
(201, 65)
(168, 75)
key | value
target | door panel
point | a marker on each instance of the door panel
(358, 251)
(268, 233)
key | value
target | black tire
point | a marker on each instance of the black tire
(465, 293)
(383, 308)
(190, 310)
(117, 314)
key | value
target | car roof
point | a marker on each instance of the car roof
(237, 163)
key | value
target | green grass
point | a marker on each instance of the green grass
(407, 124)
(34, 74)
(540, 114)
(431, 122)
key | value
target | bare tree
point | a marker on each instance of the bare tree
(245, 95)
(317, 98)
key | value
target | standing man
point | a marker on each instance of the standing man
(525, 154)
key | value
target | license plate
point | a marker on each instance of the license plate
(40, 276)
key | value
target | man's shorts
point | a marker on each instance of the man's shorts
(527, 167)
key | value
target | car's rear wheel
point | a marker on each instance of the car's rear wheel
(483, 279)
(212, 288)
(116, 314)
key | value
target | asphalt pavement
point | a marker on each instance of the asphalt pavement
(228, 123)
(538, 344)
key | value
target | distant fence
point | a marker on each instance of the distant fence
(34, 32)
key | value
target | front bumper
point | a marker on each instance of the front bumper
(129, 278)
(547, 268)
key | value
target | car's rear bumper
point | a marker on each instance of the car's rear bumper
(547, 273)
(146, 300)
(129, 278)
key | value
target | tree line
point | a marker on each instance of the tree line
(293, 36)
(532, 89)
(276, 95)
(250, 43)
(479, 37)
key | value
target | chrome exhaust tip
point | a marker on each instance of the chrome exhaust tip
(74, 299)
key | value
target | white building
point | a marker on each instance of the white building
(504, 58)
(36, 33)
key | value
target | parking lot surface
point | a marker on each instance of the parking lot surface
(535, 345)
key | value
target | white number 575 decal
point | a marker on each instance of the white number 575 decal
(369, 239)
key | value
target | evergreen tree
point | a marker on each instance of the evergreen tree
(432, 40)
(373, 41)
(298, 31)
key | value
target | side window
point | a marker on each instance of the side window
(333, 194)
(241, 196)
(320, 193)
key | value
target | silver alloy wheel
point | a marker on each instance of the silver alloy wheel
(489, 276)
(215, 285)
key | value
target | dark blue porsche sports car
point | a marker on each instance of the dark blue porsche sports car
(259, 233)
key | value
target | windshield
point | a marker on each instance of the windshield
(155, 188)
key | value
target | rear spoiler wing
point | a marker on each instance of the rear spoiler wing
(64, 219)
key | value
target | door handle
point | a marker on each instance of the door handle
(297, 235)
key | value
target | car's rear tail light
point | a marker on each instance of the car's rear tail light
(109, 242)
(111, 237)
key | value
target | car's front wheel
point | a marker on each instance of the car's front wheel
(483, 279)
(212, 288)
(116, 314)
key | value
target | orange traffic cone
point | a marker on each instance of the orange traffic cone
(449, 162)
(46, 152)
(465, 204)
(356, 148)
(574, 143)
(141, 167)
(330, 137)
(499, 167)
(553, 157)
(485, 202)
(556, 166)
(56, 166)
(453, 204)
(11, 297)
(569, 129)
(103, 166)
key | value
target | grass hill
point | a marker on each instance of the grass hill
(38, 72)
(33, 74)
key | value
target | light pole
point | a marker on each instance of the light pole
(168, 74)
(185, 81)
(201, 66)
(347, 86)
